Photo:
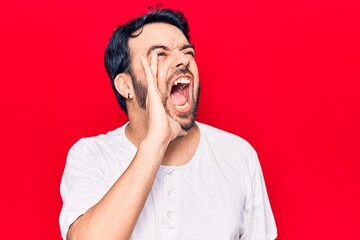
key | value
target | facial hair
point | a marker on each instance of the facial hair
(141, 94)
(139, 89)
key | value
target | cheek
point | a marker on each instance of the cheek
(194, 70)
(139, 74)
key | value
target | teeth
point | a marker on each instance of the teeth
(182, 80)
(182, 106)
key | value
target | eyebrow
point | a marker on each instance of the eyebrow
(188, 46)
(154, 47)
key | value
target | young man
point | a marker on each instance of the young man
(162, 176)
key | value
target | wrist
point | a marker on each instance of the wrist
(156, 139)
(154, 144)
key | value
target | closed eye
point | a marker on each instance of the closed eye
(161, 54)
(191, 53)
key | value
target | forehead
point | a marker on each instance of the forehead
(157, 34)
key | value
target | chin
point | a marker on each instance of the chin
(188, 124)
(186, 120)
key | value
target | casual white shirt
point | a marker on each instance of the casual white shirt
(219, 194)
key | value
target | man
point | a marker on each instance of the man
(162, 176)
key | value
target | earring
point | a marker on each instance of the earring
(128, 95)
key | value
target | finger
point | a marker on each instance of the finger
(148, 73)
(176, 128)
(154, 65)
(182, 132)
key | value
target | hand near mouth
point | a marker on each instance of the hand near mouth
(161, 126)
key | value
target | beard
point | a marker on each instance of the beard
(141, 94)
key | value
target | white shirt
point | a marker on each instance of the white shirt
(219, 194)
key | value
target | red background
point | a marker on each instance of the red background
(282, 74)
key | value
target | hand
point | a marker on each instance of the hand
(161, 127)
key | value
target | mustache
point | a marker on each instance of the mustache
(178, 72)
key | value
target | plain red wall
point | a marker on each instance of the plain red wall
(282, 74)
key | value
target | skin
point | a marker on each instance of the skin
(156, 131)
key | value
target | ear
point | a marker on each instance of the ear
(123, 85)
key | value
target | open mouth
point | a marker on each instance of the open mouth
(180, 94)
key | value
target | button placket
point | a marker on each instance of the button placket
(169, 193)
(169, 202)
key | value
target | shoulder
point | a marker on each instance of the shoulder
(106, 154)
(103, 148)
(101, 142)
(234, 150)
(225, 139)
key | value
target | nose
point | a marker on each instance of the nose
(181, 60)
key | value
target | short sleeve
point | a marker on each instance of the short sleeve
(259, 219)
(82, 185)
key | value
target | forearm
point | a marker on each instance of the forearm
(115, 215)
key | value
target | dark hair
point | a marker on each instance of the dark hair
(117, 54)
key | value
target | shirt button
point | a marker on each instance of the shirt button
(170, 193)
(170, 172)
(168, 214)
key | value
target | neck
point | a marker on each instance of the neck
(137, 128)
(179, 151)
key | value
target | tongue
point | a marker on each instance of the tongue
(178, 98)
